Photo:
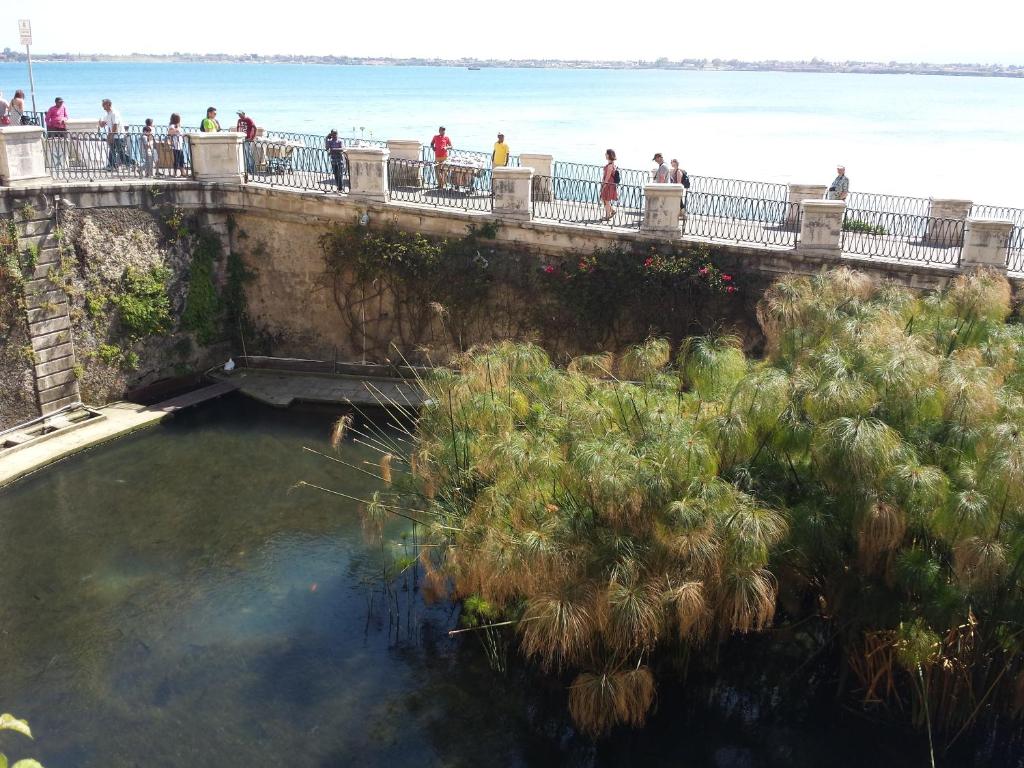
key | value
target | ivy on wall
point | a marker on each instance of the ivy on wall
(401, 288)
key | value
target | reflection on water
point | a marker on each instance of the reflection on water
(172, 600)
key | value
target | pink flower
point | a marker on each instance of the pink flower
(726, 278)
(549, 269)
(648, 261)
(703, 271)
(730, 289)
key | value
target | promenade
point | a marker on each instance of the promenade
(869, 226)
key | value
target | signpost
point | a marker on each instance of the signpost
(25, 31)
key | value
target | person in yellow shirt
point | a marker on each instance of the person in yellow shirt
(499, 157)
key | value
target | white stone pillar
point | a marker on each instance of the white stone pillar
(661, 210)
(986, 242)
(368, 172)
(821, 227)
(22, 156)
(408, 172)
(797, 194)
(217, 157)
(512, 189)
(543, 170)
(82, 125)
(939, 231)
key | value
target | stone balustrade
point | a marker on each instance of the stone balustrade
(816, 225)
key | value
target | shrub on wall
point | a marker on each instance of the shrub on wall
(409, 286)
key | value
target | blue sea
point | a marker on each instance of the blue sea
(902, 134)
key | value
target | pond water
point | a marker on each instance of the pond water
(172, 599)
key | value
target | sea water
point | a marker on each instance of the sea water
(928, 136)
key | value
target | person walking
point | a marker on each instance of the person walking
(336, 152)
(661, 172)
(441, 145)
(16, 110)
(177, 138)
(609, 184)
(839, 188)
(210, 123)
(117, 152)
(500, 153)
(677, 175)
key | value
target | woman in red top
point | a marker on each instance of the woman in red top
(609, 187)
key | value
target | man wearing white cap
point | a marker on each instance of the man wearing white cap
(839, 188)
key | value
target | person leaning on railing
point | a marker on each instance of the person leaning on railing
(839, 188)
(441, 145)
(177, 138)
(56, 129)
(500, 153)
(336, 151)
(247, 126)
(117, 150)
(210, 123)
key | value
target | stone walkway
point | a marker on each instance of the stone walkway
(117, 420)
(282, 388)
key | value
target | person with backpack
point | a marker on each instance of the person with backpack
(609, 184)
(678, 176)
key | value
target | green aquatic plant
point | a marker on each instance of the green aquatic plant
(11, 723)
(629, 512)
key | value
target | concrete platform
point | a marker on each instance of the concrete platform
(118, 420)
(282, 388)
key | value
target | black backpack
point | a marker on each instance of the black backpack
(686, 180)
(617, 178)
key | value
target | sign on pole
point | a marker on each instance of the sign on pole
(25, 30)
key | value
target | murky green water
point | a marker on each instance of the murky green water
(172, 600)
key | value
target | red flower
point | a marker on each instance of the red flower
(648, 261)
(730, 289)
(549, 269)
(726, 278)
(702, 271)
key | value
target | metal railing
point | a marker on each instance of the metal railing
(879, 203)
(585, 172)
(708, 186)
(469, 156)
(448, 185)
(1016, 215)
(742, 219)
(91, 156)
(579, 201)
(1015, 250)
(902, 237)
(290, 163)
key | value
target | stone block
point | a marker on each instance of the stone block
(51, 367)
(368, 172)
(821, 227)
(986, 243)
(543, 170)
(217, 157)
(796, 194)
(661, 210)
(50, 381)
(55, 352)
(940, 230)
(22, 157)
(512, 189)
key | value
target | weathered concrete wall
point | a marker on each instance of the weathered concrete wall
(294, 306)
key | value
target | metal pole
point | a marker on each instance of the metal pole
(31, 81)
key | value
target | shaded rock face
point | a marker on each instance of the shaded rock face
(99, 249)
(17, 380)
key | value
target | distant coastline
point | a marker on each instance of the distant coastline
(700, 65)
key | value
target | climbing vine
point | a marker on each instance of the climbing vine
(395, 287)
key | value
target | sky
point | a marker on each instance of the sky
(938, 31)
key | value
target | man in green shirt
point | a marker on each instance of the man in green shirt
(210, 124)
(499, 157)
